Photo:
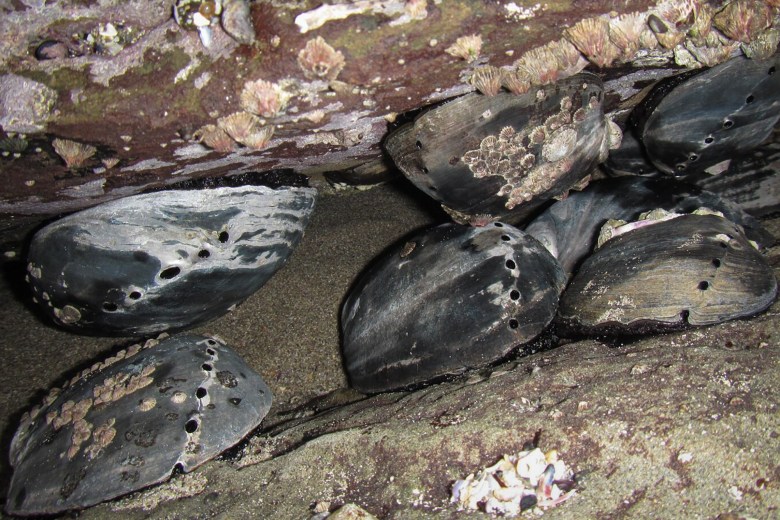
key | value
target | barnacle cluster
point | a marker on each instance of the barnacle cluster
(696, 33)
(530, 161)
(515, 484)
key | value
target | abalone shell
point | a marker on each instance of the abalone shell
(129, 421)
(446, 299)
(690, 270)
(569, 228)
(505, 155)
(698, 122)
(164, 261)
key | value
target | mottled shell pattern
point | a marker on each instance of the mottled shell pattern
(446, 299)
(130, 421)
(164, 261)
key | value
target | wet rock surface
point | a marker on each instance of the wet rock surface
(683, 424)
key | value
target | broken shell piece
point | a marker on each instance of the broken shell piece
(504, 155)
(689, 123)
(116, 449)
(459, 298)
(165, 260)
(197, 15)
(515, 484)
(689, 271)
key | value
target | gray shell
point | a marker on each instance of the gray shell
(446, 299)
(691, 270)
(569, 228)
(141, 413)
(475, 154)
(689, 124)
(166, 260)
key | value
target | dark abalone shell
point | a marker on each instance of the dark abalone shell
(504, 155)
(446, 299)
(695, 123)
(569, 228)
(130, 421)
(166, 260)
(690, 270)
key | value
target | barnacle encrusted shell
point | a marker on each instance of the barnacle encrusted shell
(569, 227)
(164, 260)
(689, 270)
(446, 299)
(131, 420)
(694, 124)
(504, 155)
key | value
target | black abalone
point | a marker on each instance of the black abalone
(166, 260)
(129, 421)
(502, 156)
(698, 122)
(688, 270)
(445, 299)
(569, 228)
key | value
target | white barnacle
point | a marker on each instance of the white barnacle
(73, 153)
(487, 79)
(319, 60)
(466, 47)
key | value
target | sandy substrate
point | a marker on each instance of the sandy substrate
(682, 425)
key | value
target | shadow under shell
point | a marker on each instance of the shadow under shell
(690, 270)
(164, 261)
(505, 155)
(130, 421)
(448, 298)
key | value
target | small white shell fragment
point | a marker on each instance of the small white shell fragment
(510, 486)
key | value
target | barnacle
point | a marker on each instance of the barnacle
(466, 47)
(487, 79)
(319, 60)
(215, 138)
(743, 20)
(259, 138)
(671, 20)
(763, 46)
(241, 126)
(591, 37)
(625, 32)
(540, 65)
(569, 59)
(109, 162)
(263, 98)
(74, 154)
(516, 81)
